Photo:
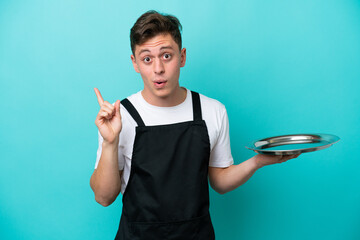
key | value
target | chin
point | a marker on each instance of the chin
(163, 93)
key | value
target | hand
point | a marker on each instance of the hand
(108, 119)
(263, 160)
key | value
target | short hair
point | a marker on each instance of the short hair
(153, 23)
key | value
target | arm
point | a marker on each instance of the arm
(224, 180)
(106, 178)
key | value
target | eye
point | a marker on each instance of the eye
(147, 59)
(167, 56)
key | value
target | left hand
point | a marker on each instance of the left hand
(263, 160)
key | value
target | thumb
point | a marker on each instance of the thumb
(117, 108)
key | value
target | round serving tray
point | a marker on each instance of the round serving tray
(292, 144)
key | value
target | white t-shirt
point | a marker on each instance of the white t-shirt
(213, 112)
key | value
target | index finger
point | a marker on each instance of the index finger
(99, 97)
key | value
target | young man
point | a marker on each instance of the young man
(160, 146)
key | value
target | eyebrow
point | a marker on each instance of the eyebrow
(147, 50)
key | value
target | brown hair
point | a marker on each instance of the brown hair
(153, 23)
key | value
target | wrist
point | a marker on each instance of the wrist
(256, 162)
(111, 144)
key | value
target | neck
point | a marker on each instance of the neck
(171, 100)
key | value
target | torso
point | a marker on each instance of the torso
(214, 114)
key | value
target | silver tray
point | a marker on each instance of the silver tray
(292, 144)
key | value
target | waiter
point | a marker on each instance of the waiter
(160, 146)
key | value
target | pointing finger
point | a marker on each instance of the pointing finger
(99, 97)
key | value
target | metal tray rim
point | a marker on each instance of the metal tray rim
(332, 139)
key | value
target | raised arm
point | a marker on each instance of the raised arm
(106, 178)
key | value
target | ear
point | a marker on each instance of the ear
(134, 63)
(183, 57)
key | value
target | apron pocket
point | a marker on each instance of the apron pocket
(199, 228)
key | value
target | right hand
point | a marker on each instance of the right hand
(108, 119)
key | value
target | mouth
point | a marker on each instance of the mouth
(160, 83)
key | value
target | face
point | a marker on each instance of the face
(158, 61)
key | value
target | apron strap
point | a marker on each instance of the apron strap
(133, 112)
(136, 116)
(196, 105)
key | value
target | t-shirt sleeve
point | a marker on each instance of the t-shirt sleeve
(121, 158)
(220, 155)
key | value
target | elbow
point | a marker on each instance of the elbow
(221, 192)
(104, 198)
(105, 202)
(218, 179)
(220, 189)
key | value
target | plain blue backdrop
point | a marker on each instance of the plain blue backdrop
(279, 67)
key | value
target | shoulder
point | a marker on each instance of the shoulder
(127, 120)
(134, 98)
(215, 116)
(212, 105)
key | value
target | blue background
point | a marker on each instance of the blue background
(279, 67)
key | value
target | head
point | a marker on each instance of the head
(157, 54)
(151, 24)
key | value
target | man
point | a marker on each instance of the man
(160, 146)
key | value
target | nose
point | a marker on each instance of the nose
(158, 66)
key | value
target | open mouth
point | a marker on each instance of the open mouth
(160, 83)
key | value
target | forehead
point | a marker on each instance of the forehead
(156, 43)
